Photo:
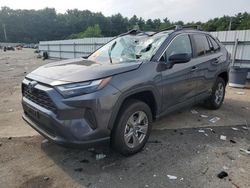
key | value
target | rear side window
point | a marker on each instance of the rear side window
(201, 45)
(180, 45)
(215, 45)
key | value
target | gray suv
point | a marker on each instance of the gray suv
(114, 94)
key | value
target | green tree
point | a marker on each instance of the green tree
(31, 26)
(91, 31)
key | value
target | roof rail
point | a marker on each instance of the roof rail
(198, 27)
(134, 32)
(175, 28)
(179, 27)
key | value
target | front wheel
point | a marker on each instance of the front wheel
(218, 93)
(132, 128)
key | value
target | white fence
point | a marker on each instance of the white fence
(65, 49)
(228, 38)
(9, 44)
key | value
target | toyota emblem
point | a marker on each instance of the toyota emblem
(31, 86)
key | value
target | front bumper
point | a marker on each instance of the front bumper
(61, 141)
(81, 120)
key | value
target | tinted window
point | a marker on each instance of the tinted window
(214, 43)
(202, 46)
(180, 45)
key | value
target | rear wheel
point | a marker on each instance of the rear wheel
(217, 97)
(132, 128)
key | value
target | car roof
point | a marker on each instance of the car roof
(173, 29)
(182, 29)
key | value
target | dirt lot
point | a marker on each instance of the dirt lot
(13, 67)
(176, 146)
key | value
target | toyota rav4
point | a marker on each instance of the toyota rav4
(117, 92)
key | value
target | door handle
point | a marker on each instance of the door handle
(194, 68)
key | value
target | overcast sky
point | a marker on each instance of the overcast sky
(186, 10)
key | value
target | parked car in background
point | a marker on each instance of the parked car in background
(116, 93)
(19, 47)
(10, 48)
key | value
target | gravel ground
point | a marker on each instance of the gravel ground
(14, 65)
(195, 159)
(176, 146)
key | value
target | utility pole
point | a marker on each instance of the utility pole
(5, 34)
(230, 24)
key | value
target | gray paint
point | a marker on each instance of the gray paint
(172, 88)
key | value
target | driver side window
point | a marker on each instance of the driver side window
(180, 45)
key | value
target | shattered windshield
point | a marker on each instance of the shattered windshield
(128, 48)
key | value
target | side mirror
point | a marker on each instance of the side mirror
(179, 58)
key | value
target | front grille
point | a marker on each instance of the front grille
(39, 97)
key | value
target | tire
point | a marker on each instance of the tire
(216, 99)
(128, 125)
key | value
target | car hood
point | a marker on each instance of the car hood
(79, 70)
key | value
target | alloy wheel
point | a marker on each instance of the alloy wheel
(136, 129)
(219, 93)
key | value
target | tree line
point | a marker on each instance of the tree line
(32, 26)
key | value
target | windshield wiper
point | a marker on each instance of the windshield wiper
(110, 50)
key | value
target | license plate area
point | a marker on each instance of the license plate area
(32, 112)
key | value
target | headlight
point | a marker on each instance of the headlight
(75, 89)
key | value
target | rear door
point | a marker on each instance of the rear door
(177, 82)
(206, 62)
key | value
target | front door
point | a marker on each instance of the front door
(178, 84)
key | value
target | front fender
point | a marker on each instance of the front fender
(127, 94)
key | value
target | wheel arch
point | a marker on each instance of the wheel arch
(224, 75)
(145, 94)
